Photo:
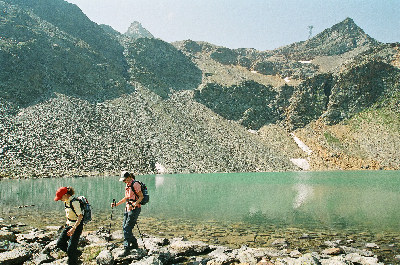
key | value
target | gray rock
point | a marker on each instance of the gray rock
(371, 245)
(49, 247)
(153, 244)
(332, 251)
(187, 248)
(295, 254)
(221, 255)
(309, 258)
(135, 254)
(105, 257)
(42, 259)
(152, 260)
(332, 244)
(357, 258)
(338, 260)
(280, 242)
(36, 236)
(350, 250)
(10, 236)
(16, 256)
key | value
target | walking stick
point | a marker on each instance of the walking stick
(141, 236)
(109, 228)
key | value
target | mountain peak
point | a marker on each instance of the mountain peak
(348, 26)
(136, 31)
(338, 39)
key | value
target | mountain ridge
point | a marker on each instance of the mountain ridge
(77, 98)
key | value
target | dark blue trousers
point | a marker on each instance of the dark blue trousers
(130, 219)
(70, 244)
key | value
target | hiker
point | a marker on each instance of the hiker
(69, 238)
(132, 210)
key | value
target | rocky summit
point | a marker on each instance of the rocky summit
(77, 98)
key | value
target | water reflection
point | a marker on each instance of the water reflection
(159, 180)
(304, 193)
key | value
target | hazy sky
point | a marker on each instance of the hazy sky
(260, 24)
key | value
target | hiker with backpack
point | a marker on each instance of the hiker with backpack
(69, 238)
(133, 198)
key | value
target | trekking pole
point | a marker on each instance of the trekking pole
(141, 236)
(109, 228)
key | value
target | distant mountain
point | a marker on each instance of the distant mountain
(77, 98)
(339, 39)
(137, 31)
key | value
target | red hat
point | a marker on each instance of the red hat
(60, 192)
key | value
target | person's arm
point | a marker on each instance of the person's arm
(118, 203)
(140, 195)
(78, 221)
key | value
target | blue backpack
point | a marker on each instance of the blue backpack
(145, 192)
(85, 208)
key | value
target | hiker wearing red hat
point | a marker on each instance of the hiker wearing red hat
(69, 238)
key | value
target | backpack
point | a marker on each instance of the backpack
(145, 192)
(85, 208)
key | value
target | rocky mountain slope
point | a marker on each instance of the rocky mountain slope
(77, 98)
(136, 31)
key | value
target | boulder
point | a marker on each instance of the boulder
(15, 256)
(186, 248)
(9, 236)
(105, 257)
(135, 254)
(42, 259)
(332, 251)
(350, 250)
(359, 259)
(36, 236)
(371, 245)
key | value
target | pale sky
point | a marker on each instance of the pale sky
(259, 24)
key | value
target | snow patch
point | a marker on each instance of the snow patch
(302, 145)
(301, 163)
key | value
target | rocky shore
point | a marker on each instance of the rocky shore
(21, 244)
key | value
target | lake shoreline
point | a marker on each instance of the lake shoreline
(98, 247)
(63, 174)
(293, 243)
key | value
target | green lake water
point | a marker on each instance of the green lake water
(335, 200)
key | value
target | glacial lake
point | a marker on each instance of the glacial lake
(354, 200)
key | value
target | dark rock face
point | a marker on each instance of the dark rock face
(359, 88)
(309, 101)
(43, 51)
(248, 103)
(161, 67)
